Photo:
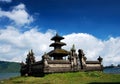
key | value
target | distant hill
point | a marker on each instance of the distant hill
(9, 66)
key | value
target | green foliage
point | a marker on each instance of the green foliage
(68, 78)
(9, 67)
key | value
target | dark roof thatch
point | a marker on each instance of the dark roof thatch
(58, 62)
(56, 37)
(57, 43)
(92, 62)
(58, 52)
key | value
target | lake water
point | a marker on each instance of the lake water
(112, 70)
(8, 75)
(107, 70)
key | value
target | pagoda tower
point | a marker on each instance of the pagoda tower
(58, 53)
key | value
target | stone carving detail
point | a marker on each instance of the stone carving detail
(30, 58)
(82, 58)
(100, 59)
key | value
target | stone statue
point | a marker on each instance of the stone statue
(82, 58)
(100, 59)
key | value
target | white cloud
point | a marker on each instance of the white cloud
(8, 1)
(93, 47)
(15, 45)
(18, 14)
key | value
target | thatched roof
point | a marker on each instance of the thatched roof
(57, 43)
(56, 37)
(58, 62)
(58, 52)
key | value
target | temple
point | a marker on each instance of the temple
(59, 60)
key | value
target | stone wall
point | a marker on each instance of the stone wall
(93, 67)
(55, 68)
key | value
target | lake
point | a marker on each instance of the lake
(112, 70)
(107, 70)
(8, 75)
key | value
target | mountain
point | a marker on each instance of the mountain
(9, 66)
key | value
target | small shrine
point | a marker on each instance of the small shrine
(54, 62)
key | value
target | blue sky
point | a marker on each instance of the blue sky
(97, 17)
(92, 25)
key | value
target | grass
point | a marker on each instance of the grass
(67, 78)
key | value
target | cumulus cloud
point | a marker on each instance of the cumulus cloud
(86, 42)
(94, 47)
(15, 45)
(18, 15)
(8, 1)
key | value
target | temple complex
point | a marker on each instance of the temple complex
(59, 60)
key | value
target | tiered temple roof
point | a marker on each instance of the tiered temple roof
(58, 53)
